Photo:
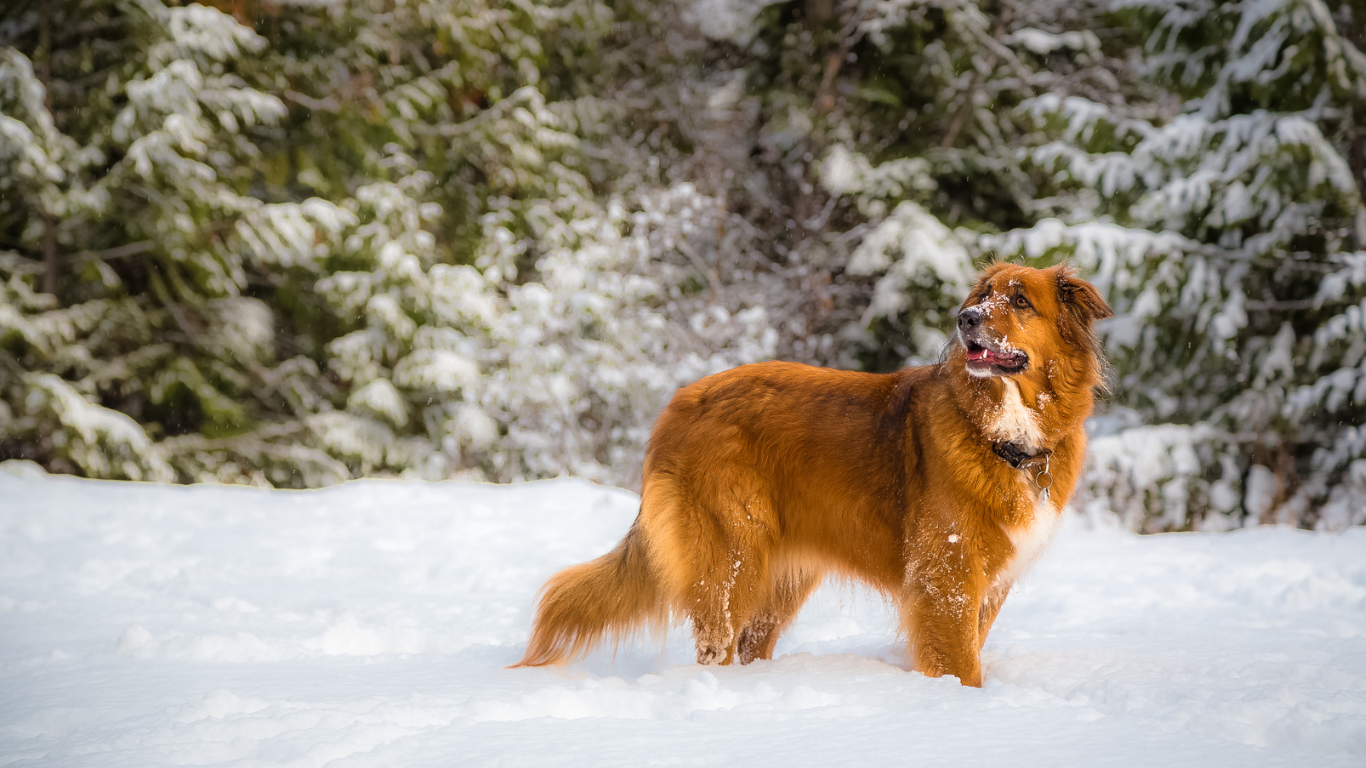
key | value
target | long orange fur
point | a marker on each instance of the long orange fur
(760, 481)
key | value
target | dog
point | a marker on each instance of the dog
(937, 485)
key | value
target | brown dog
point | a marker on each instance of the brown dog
(937, 485)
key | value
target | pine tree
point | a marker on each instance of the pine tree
(407, 259)
(1224, 236)
(1201, 180)
(290, 244)
(124, 157)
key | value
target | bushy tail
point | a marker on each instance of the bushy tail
(611, 596)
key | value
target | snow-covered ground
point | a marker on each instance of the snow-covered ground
(369, 624)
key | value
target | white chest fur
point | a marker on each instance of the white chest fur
(1030, 539)
(1013, 421)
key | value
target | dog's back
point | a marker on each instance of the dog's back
(805, 463)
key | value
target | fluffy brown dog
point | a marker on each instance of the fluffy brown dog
(937, 485)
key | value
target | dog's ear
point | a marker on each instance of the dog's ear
(1081, 297)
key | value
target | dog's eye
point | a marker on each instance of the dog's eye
(1021, 301)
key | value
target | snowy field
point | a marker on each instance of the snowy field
(369, 624)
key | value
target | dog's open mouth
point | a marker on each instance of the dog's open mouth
(984, 358)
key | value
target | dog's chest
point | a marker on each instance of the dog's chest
(1035, 517)
(1029, 537)
(1011, 421)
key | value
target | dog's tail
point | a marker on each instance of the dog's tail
(610, 597)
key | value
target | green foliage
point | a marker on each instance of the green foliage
(1222, 231)
(291, 243)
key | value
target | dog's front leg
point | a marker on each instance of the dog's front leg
(941, 614)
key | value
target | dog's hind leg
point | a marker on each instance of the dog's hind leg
(788, 591)
(712, 535)
(730, 581)
(724, 598)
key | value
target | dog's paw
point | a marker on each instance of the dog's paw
(710, 654)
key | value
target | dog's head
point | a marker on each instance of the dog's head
(1017, 319)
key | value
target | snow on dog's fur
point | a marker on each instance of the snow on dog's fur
(761, 480)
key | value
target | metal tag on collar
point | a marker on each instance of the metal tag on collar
(1039, 480)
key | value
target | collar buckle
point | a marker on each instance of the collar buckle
(1015, 456)
(1037, 464)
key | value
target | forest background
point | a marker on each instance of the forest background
(289, 243)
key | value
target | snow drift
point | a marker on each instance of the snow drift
(369, 624)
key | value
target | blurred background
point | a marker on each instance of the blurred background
(294, 242)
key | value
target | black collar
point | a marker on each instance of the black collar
(1015, 456)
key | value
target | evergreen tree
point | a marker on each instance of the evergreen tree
(290, 243)
(125, 159)
(1228, 238)
(1200, 179)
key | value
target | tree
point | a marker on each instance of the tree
(489, 238)
(130, 161)
(1208, 193)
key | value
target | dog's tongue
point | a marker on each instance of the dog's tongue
(989, 356)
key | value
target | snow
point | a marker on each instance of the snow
(909, 246)
(370, 623)
(102, 438)
(1043, 43)
(733, 20)
(380, 398)
(844, 172)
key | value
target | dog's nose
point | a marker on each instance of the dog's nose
(969, 318)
